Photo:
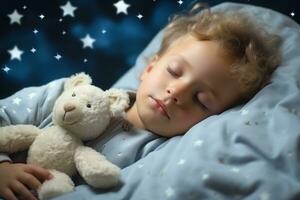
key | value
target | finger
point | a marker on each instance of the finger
(39, 172)
(30, 181)
(9, 195)
(21, 190)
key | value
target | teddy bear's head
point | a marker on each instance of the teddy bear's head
(86, 110)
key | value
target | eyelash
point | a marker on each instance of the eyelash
(170, 71)
(197, 101)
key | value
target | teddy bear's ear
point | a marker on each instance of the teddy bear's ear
(119, 101)
(78, 79)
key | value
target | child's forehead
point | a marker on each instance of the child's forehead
(192, 51)
(189, 43)
(181, 40)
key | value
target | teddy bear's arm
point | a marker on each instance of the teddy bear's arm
(16, 138)
(95, 169)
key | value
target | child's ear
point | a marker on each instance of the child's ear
(149, 67)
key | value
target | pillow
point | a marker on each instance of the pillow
(247, 152)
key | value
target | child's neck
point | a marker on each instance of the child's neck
(132, 117)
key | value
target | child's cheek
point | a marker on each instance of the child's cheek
(188, 118)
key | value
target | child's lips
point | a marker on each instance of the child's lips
(161, 106)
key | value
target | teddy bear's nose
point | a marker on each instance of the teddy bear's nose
(69, 107)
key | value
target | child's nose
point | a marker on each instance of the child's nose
(173, 97)
(177, 93)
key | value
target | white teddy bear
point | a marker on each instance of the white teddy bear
(81, 113)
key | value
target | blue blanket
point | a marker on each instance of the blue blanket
(248, 152)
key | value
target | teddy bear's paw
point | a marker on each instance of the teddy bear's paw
(58, 185)
(95, 169)
(105, 175)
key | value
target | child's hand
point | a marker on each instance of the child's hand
(19, 179)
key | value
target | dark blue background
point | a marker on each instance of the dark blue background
(114, 52)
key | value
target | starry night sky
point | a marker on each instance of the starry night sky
(57, 38)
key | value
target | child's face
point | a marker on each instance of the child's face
(188, 83)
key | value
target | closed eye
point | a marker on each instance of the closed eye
(199, 103)
(172, 72)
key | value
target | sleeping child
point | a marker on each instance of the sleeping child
(207, 63)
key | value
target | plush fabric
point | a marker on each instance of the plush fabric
(247, 152)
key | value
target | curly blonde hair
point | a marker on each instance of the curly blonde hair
(255, 51)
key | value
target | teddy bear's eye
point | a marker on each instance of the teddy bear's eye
(88, 105)
(73, 95)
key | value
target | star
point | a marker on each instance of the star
(6, 69)
(244, 112)
(205, 177)
(85, 60)
(33, 50)
(198, 143)
(264, 196)
(42, 16)
(31, 95)
(169, 192)
(140, 166)
(35, 31)
(103, 31)
(292, 14)
(88, 41)
(180, 2)
(15, 53)
(121, 7)
(17, 101)
(29, 110)
(181, 162)
(64, 32)
(68, 9)
(60, 20)
(139, 16)
(57, 57)
(24, 7)
(235, 170)
(15, 17)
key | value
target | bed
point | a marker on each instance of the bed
(248, 152)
